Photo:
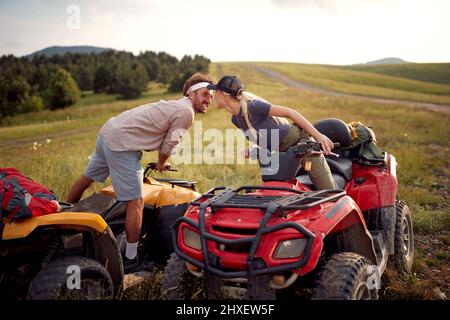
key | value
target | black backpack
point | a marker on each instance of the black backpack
(364, 144)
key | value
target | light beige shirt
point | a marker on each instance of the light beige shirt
(153, 126)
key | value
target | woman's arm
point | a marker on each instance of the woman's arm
(302, 122)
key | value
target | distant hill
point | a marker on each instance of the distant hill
(50, 51)
(385, 61)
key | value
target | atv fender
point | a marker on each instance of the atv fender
(340, 229)
(170, 196)
(158, 194)
(150, 192)
(107, 252)
(69, 220)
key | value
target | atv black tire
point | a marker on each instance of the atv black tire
(346, 276)
(178, 283)
(404, 238)
(166, 217)
(51, 283)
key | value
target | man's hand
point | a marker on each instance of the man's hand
(162, 167)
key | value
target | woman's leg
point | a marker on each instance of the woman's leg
(320, 173)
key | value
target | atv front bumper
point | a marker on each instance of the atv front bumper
(210, 262)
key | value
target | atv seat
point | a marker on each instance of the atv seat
(338, 166)
(106, 205)
(341, 166)
(102, 204)
(177, 182)
(305, 180)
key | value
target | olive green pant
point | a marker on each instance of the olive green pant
(320, 173)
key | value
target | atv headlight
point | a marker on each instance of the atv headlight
(290, 248)
(191, 239)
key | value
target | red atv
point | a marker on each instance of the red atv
(253, 241)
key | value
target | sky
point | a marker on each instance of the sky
(308, 31)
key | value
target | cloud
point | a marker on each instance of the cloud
(287, 4)
(331, 6)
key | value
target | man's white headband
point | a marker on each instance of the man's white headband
(197, 86)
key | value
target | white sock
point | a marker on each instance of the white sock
(131, 250)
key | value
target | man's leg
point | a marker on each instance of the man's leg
(133, 226)
(96, 170)
(77, 189)
(127, 179)
(134, 219)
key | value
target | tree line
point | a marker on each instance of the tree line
(55, 82)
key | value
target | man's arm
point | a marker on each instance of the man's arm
(180, 124)
(162, 158)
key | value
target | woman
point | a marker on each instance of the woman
(252, 114)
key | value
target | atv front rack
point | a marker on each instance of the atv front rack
(229, 198)
(299, 200)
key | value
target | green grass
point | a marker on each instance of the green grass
(430, 221)
(89, 98)
(354, 81)
(428, 72)
(443, 256)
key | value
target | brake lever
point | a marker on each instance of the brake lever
(334, 154)
(321, 152)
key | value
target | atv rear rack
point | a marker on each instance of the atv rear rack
(230, 198)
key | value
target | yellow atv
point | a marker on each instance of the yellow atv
(65, 255)
(165, 201)
(76, 254)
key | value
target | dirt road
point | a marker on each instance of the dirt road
(304, 86)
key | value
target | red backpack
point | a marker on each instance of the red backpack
(21, 197)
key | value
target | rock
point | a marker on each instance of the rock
(439, 294)
(133, 279)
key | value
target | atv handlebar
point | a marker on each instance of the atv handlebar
(151, 166)
(312, 148)
(301, 149)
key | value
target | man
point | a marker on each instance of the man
(118, 151)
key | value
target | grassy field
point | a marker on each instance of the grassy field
(365, 81)
(428, 72)
(53, 147)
